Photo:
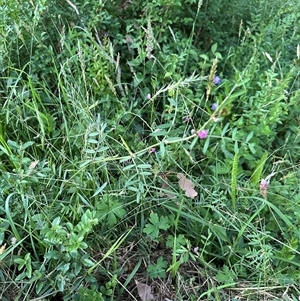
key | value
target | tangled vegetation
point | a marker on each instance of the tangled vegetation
(149, 150)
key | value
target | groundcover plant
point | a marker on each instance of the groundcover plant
(149, 150)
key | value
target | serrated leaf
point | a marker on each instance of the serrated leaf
(180, 241)
(154, 218)
(151, 230)
(158, 270)
(164, 223)
(155, 224)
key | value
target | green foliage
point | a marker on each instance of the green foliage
(104, 103)
(234, 179)
(88, 295)
(156, 223)
(158, 270)
(256, 176)
(110, 211)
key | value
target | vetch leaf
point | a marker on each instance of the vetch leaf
(158, 132)
(99, 189)
(165, 125)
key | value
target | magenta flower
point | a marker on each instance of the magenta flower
(217, 80)
(202, 134)
(187, 119)
(152, 150)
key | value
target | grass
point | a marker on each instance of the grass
(125, 168)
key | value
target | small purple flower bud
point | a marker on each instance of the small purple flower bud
(152, 150)
(202, 134)
(214, 106)
(217, 80)
(187, 119)
(196, 249)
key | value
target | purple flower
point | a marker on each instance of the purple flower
(202, 134)
(187, 119)
(152, 150)
(217, 80)
(214, 106)
(196, 249)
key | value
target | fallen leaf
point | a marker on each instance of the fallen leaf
(187, 185)
(144, 291)
(165, 186)
(2, 249)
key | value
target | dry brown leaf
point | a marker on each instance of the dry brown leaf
(187, 185)
(165, 186)
(2, 249)
(144, 291)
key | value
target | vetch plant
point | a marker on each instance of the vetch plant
(202, 134)
(214, 106)
(152, 150)
(217, 80)
(95, 139)
(263, 187)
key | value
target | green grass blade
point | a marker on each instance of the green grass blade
(256, 176)
(234, 174)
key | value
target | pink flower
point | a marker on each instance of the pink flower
(187, 119)
(263, 187)
(196, 249)
(264, 184)
(202, 134)
(152, 150)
